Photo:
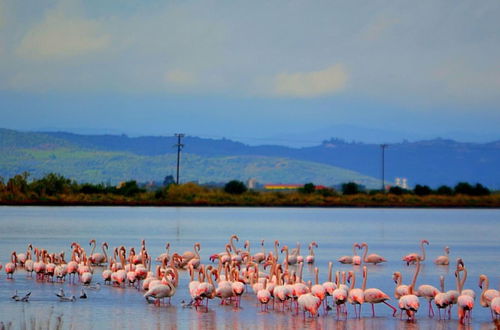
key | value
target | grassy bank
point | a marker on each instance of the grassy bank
(261, 199)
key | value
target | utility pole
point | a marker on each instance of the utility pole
(383, 146)
(179, 147)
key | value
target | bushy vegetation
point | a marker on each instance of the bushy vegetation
(54, 189)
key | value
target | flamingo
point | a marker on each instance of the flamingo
(495, 307)
(260, 256)
(236, 257)
(443, 260)
(409, 302)
(401, 289)
(372, 258)
(356, 295)
(194, 284)
(310, 257)
(50, 267)
(238, 286)
(106, 274)
(10, 267)
(317, 289)
(461, 267)
(351, 259)
(412, 257)
(374, 295)
(165, 255)
(28, 264)
(329, 285)
(97, 259)
(161, 291)
(310, 303)
(22, 257)
(465, 302)
(264, 296)
(281, 291)
(441, 299)
(296, 252)
(290, 259)
(299, 287)
(224, 289)
(206, 290)
(428, 292)
(487, 295)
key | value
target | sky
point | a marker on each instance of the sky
(288, 72)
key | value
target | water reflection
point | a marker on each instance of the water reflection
(472, 234)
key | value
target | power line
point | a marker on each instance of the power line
(179, 147)
(383, 146)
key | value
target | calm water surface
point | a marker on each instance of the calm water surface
(471, 234)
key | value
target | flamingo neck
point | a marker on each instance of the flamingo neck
(353, 281)
(365, 252)
(365, 275)
(330, 271)
(417, 270)
(423, 250)
(354, 253)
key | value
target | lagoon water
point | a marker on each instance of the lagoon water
(470, 233)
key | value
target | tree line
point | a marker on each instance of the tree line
(55, 189)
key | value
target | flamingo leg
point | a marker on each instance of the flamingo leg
(392, 307)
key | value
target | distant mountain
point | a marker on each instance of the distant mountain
(118, 158)
(432, 162)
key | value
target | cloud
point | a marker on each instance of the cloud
(180, 78)
(311, 84)
(63, 33)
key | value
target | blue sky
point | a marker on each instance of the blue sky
(257, 71)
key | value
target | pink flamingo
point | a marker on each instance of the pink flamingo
(29, 264)
(465, 302)
(299, 287)
(374, 295)
(356, 295)
(10, 267)
(165, 255)
(428, 292)
(97, 259)
(206, 289)
(339, 295)
(487, 295)
(264, 296)
(310, 303)
(260, 256)
(372, 258)
(22, 257)
(401, 289)
(495, 307)
(281, 292)
(412, 257)
(310, 257)
(317, 289)
(329, 285)
(443, 260)
(290, 259)
(441, 299)
(224, 289)
(409, 302)
(194, 284)
(237, 286)
(165, 290)
(350, 259)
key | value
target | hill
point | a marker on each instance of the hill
(432, 162)
(118, 158)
